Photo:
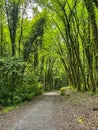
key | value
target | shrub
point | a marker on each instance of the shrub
(66, 90)
(40, 88)
(17, 99)
(29, 96)
(62, 91)
(10, 78)
(24, 86)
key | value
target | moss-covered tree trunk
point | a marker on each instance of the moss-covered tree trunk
(90, 9)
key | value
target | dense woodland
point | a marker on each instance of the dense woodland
(46, 45)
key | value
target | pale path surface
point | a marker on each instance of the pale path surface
(38, 115)
(53, 112)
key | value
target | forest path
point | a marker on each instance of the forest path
(53, 112)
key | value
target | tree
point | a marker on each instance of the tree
(12, 11)
(90, 9)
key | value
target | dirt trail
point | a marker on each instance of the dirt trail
(53, 112)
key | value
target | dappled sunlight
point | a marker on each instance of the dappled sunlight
(51, 93)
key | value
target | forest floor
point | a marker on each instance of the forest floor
(51, 111)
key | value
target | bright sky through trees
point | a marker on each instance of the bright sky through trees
(30, 10)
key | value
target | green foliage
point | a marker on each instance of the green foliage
(24, 87)
(66, 90)
(29, 96)
(37, 31)
(10, 69)
(17, 99)
(5, 110)
(62, 91)
(29, 88)
(40, 88)
(59, 35)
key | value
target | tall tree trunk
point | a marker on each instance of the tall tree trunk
(90, 9)
(1, 35)
(12, 11)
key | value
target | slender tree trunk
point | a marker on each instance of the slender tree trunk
(1, 35)
(35, 58)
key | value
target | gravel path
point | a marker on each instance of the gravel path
(35, 115)
(53, 112)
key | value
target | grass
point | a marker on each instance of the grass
(10, 108)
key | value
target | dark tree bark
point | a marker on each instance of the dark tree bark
(12, 11)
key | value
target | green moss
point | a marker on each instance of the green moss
(66, 90)
(62, 91)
